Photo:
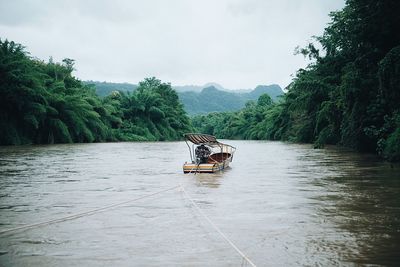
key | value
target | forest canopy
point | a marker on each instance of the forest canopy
(349, 95)
(43, 103)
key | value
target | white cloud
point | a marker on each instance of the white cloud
(236, 43)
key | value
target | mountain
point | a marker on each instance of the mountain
(215, 85)
(211, 99)
(105, 88)
(273, 90)
(200, 99)
(197, 88)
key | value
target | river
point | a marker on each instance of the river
(281, 204)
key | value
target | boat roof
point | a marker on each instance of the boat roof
(206, 139)
(198, 139)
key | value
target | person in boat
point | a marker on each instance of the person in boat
(202, 153)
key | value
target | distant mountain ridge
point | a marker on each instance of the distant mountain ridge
(273, 90)
(199, 88)
(210, 97)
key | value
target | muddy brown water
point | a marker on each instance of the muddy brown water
(281, 204)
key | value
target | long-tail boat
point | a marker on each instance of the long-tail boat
(207, 154)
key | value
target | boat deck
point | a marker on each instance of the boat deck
(216, 162)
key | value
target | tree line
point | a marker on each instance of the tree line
(349, 95)
(43, 103)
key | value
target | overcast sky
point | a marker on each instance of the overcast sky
(236, 43)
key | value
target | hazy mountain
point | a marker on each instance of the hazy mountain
(211, 99)
(199, 88)
(273, 90)
(215, 85)
(201, 99)
(105, 88)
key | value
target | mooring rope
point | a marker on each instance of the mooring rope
(197, 167)
(216, 228)
(83, 214)
(98, 210)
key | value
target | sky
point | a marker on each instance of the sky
(236, 43)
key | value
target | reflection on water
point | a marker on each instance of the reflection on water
(282, 204)
(210, 180)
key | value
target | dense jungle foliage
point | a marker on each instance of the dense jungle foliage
(42, 103)
(349, 95)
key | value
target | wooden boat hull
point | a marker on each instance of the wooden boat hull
(216, 162)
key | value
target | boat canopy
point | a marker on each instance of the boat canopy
(199, 139)
(209, 140)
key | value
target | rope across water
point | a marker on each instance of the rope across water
(82, 214)
(108, 207)
(216, 228)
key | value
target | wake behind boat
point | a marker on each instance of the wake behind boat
(207, 154)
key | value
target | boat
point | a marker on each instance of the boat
(207, 154)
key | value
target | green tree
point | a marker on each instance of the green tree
(44, 103)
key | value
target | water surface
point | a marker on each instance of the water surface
(281, 204)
